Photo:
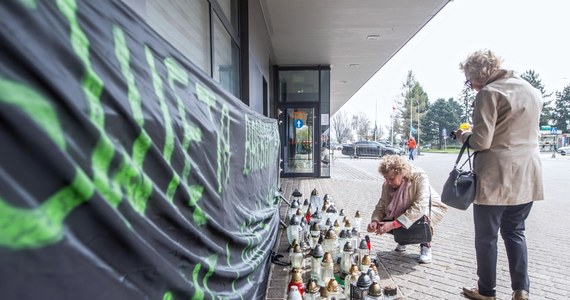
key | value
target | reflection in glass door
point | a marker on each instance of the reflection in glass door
(299, 147)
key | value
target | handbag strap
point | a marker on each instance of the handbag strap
(469, 155)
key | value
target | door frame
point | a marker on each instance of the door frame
(316, 137)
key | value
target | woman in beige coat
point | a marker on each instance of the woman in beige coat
(505, 134)
(405, 197)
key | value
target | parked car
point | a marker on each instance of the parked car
(369, 149)
(564, 150)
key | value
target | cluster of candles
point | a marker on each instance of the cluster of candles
(340, 262)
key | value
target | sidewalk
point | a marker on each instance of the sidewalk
(453, 265)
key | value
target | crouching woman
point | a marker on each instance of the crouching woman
(404, 200)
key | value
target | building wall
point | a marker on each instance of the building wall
(260, 56)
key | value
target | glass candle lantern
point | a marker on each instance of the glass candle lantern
(294, 293)
(328, 198)
(349, 236)
(362, 250)
(355, 238)
(305, 206)
(340, 218)
(342, 237)
(364, 264)
(296, 281)
(336, 227)
(293, 208)
(315, 234)
(312, 290)
(359, 291)
(316, 218)
(350, 279)
(330, 243)
(297, 260)
(357, 221)
(294, 229)
(315, 200)
(374, 292)
(347, 224)
(327, 268)
(324, 294)
(316, 259)
(296, 194)
(373, 273)
(333, 288)
(292, 248)
(331, 213)
(346, 259)
(303, 227)
(325, 206)
(373, 276)
(328, 224)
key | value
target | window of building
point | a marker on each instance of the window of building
(188, 25)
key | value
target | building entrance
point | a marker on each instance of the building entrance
(300, 143)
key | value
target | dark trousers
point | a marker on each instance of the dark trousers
(509, 220)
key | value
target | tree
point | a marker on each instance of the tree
(562, 109)
(441, 115)
(547, 110)
(413, 106)
(340, 124)
(361, 125)
(466, 99)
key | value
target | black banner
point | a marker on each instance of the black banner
(125, 172)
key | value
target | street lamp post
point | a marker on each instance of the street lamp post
(418, 117)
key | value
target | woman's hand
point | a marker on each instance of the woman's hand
(373, 226)
(384, 227)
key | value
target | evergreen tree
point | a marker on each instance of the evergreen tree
(562, 110)
(547, 110)
(466, 99)
(442, 115)
(412, 107)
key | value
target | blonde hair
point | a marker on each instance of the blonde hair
(396, 164)
(480, 65)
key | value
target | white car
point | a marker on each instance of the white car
(564, 150)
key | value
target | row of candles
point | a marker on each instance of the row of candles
(328, 236)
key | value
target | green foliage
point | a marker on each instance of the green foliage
(561, 112)
(441, 114)
(547, 110)
(466, 100)
(412, 108)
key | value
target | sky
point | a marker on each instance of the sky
(527, 34)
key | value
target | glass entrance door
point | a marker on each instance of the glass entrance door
(299, 145)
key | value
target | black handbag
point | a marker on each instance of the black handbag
(418, 233)
(459, 189)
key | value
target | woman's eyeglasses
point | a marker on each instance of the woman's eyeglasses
(468, 84)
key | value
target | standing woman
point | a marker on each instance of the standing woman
(505, 134)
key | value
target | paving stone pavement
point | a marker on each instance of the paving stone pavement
(356, 185)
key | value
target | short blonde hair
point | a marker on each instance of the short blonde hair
(480, 65)
(396, 164)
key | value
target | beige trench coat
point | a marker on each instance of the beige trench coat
(418, 201)
(505, 135)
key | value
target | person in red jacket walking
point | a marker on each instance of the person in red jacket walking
(411, 147)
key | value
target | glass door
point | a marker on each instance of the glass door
(300, 145)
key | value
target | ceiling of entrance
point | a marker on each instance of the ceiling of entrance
(355, 37)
